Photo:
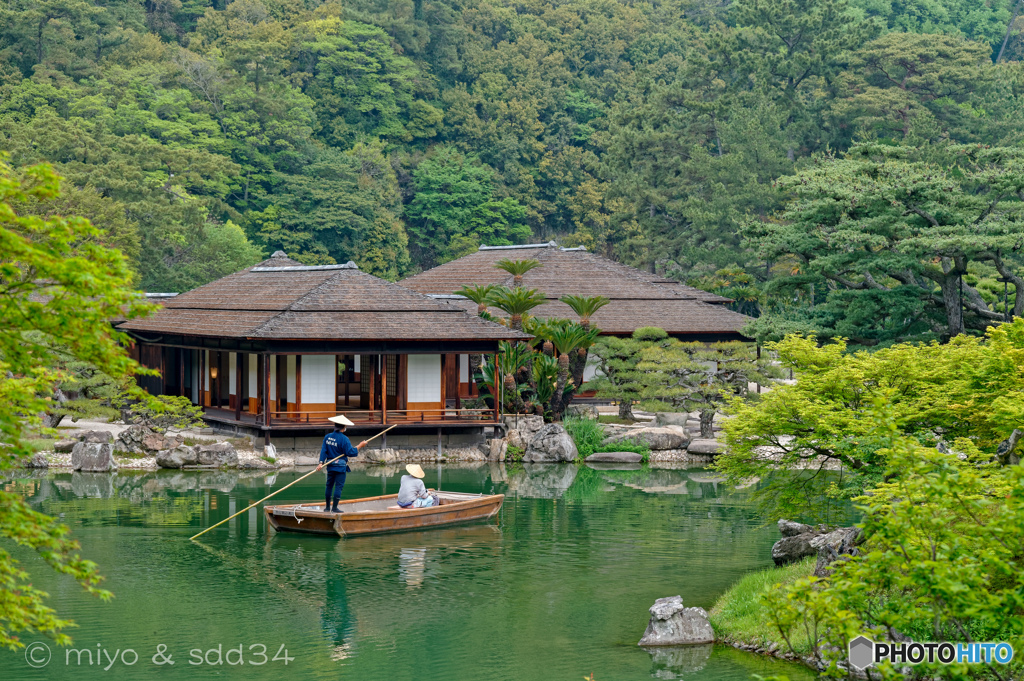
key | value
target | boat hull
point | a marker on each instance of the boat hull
(355, 520)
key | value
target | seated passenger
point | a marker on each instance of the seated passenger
(412, 493)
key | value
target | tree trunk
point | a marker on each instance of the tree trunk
(707, 423)
(951, 303)
(626, 409)
(557, 406)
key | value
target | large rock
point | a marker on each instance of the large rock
(38, 460)
(833, 546)
(93, 457)
(497, 449)
(551, 444)
(792, 549)
(673, 624)
(789, 528)
(669, 418)
(219, 454)
(300, 460)
(614, 457)
(181, 455)
(704, 447)
(527, 425)
(64, 446)
(383, 455)
(96, 437)
(656, 438)
(587, 411)
(138, 439)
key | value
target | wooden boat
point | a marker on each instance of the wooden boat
(381, 515)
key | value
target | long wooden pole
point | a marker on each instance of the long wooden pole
(284, 488)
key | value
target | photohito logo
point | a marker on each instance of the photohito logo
(864, 652)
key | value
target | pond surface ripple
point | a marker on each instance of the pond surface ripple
(557, 589)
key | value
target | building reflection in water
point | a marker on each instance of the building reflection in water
(412, 565)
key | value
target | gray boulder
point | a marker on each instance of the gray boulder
(614, 457)
(64, 446)
(378, 456)
(527, 425)
(305, 460)
(789, 528)
(587, 411)
(705, 447)
(93, 457)
(497, 449)
(551, 444)
(832, 546)
(38, 460)
(96, 437)
(791, 549)
(657, 439)
(669, 418)
(181, 455)
(219, 454)
(672, 624)
(137, 439)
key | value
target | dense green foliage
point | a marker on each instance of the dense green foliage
(941, 562)
(58, 288)
(968, 393)
(403, 134)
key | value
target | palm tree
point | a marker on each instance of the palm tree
(481, 295)
(516, 302)
(541, 332)
(565, 338)
(585, 306)
(517, 268)
(578, 362)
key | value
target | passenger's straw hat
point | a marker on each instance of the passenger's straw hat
(415, 470)
(341, 420)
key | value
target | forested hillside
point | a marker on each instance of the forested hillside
(404, 133)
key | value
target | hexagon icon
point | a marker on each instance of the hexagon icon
(862, 652)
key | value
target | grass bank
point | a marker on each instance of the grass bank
(738, 616)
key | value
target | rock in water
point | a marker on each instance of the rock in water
(219, 454)
(658, 439)
(496, 450)
(672, 624)
(551, 444)
(93, 457)
(38, 460)
(792, 549)
(614, 457)
(832, 546)
(789, 528)
(177, 457)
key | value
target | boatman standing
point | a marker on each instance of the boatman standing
(337, 444)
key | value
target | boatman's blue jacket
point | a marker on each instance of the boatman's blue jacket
(336, 444)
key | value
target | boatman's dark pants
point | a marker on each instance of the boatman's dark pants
(335, 480)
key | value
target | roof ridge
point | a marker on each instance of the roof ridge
(634, 273)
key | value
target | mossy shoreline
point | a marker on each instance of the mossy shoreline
(739, 618)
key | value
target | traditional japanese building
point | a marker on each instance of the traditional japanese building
(638, 298)
(277, 348)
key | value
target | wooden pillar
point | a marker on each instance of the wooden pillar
(266, 389)
(373, 382)
(384, 389)
(202, 378)
(181, 371)
(497, 382)
(345, 375)
(298, 385)
(238, 382)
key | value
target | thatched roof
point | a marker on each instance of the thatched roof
(282, 299)
(638, 298)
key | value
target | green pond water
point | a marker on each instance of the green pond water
(558, 588)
